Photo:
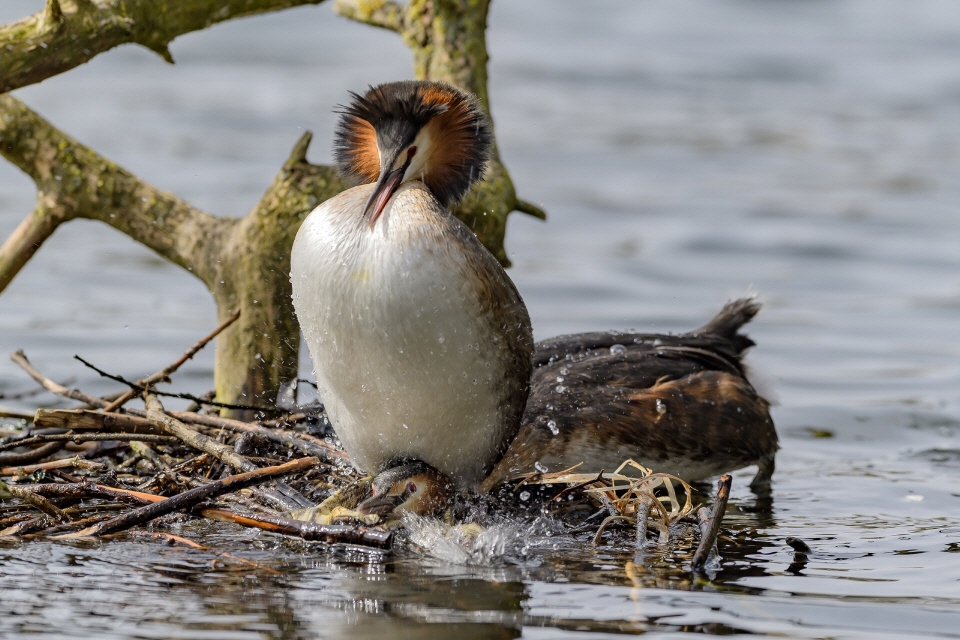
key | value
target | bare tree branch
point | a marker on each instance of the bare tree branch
(69, 33)
(378, 13)
(73, 181)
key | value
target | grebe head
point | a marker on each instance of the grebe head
(415, 487)
(413, 130)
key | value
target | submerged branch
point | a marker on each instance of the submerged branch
(710, 523)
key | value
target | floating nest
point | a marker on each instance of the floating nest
(106, 468)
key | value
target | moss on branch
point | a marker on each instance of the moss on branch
(68, 33)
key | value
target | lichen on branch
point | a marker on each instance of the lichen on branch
(68, 33)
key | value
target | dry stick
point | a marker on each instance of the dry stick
(311, 445)
(220, 451)
(75, 461)
(80, 419)
(164, 374)
(643, 510)
(85, 420)
(711, 527)
(67, 526)
(43, 522)
(330, 534)
(74, 394)
(321, 448)
(27, 457)
(185, 396)
(34, 499)
(189, 498)
(92, 490)
(77, 438)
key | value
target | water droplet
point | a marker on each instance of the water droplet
(524, 496)
(559, 378)
(559, 388)
(661, 407)
(617, 348)
(539, 467)
(552, 425)
(405, 426)
(564, 371)
(441, 339)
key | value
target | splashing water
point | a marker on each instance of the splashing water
(471, 544)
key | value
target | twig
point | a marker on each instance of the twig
(77, 438)
(220, 451)
(34, 499)
(74, 394)
(166, 372)
(643, 510)
(303, 441)
(330, 534)
(16, 459)
(83, 419)
(26, 526)
(138, 388)
(192, 497)
(75, 461)
(710, 525)
(92, 490)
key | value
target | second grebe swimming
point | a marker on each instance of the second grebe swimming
(423, 350)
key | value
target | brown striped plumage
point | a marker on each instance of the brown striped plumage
(676, 403)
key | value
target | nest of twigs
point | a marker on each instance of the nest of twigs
(129, 467)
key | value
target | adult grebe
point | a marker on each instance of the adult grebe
(678, 404)
(421, 344)
(423, 350)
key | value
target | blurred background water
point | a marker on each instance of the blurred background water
(686, 152)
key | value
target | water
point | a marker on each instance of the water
(686, 152)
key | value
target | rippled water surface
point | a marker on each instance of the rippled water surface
(686, 152)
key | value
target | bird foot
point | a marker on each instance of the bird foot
(342, 504)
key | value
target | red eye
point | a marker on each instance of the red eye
(412, 151)
(411, 488)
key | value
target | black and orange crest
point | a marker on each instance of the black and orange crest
(389, 116)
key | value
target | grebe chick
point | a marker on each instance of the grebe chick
(421, 344)
(415, 487)
(678, 404)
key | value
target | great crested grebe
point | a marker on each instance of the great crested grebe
(678, 404)
(423, 350)
(421, 344)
